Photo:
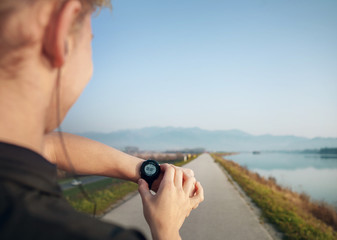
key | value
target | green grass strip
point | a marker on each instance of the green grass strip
(105, 193)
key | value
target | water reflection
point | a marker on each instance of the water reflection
(313, 174)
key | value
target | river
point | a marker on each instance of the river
(314, 174)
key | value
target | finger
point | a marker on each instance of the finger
(157, 182)
(200, 191)
(188, 172)
(196, 206)
(178, 179)
(163, 167)
(144, 190)
(168, 177)
(198, 197)
(189, 186)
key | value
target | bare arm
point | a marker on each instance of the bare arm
(91, 157)
(178, 192)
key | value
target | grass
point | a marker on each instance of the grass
(291, 213)
(105, 193)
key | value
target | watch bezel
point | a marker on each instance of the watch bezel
(149, 179)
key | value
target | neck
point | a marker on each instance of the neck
(23, 107)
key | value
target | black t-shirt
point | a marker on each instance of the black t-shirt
(32, 206)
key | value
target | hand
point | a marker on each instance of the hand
(187, 173)
(166, 211)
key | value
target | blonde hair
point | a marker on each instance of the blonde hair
(9, 7)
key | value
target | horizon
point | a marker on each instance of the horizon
(263, 67)
(170, 138)
(211, 130)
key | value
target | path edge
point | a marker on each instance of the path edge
(268, 227)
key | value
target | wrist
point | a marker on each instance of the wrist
(136, 175)
(162, 235)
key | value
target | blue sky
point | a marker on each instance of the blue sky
(256, 65)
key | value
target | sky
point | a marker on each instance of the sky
(264, 67)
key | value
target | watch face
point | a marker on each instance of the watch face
(150, 169)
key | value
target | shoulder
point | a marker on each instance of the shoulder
(29, 214)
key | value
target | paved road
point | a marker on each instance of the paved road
(223, 214)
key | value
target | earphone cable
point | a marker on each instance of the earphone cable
(66, 154)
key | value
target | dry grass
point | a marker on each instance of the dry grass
(320, 210)
(293, 213)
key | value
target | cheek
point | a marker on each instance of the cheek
(76, 77)
(79, 68)
(82, 65)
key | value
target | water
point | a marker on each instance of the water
(314, 174)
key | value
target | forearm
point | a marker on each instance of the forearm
(91, 157)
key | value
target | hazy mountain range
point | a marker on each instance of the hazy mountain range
(172, 138)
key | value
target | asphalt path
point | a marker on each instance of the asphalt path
(224, 214)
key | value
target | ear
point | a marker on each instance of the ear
(58, 33)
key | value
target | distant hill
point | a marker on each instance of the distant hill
(172, 138)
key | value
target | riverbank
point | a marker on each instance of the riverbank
(313, 174)
(291, 213)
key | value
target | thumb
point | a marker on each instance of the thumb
(143, 189)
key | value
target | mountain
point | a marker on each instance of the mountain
(172, 138)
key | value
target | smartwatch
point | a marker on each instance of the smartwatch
(149, 171)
